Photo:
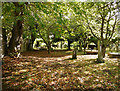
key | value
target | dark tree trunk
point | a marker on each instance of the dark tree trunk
(30, 42)
(17, 30)
(117, 46)
(4, 42)
(29, 45)
(32, 39)
(69, 44)
(49, 48)
(16, 36)
(61, 44)
(80, 46)
(84, 46)
(48, 43)
(74, 55)
(13, 40)
(103, 51)
(37, 44)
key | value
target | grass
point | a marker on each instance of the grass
(54, 53)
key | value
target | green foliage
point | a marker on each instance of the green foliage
(67, 20)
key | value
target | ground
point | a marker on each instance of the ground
(37, 70)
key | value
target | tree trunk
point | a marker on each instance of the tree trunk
(49, 48)
(17, 31)
(16, 36)
(13, 40)
(23, 46)
(61, 44)
(32, 41)
(49, 43)
(117, 46)
(69, 44)
(74, 55)
(103, 51)
(100, 56)
(84, 46)
(80, 46)
(4, 42)
(84, 50)
(32, 38)
(101, 45)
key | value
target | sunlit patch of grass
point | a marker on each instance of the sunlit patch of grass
(80, 53)
(68, 52)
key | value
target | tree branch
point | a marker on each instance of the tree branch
(108, 25)
(92, 31)
(113, 28)
(77, 26)
(91, 28)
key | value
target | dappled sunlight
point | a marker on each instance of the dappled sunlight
(84, 57)
(59, 72)
(60, 46)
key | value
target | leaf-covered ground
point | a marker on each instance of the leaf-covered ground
(59, 73)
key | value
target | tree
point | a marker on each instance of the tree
(15, 29)
(47, 16)
(102, 18)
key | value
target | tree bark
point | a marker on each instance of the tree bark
(117, 45)
(103, 50)
(17, 30)
(100, 57)
(49, 43)
(4, 42)
(69, 44)
(61, 44)
(117, 48)
(30, 43)
(16, 36)
(49, 48)
(32, 39)
(80, 46)
(13, 40)
(23, 46)
(84, 47)
(74, 55)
